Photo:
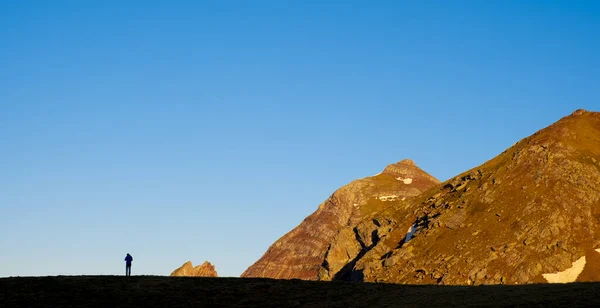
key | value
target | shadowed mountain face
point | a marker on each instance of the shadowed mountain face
(532, 214)
(327, 241)
(204, 270)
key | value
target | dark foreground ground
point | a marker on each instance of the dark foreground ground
(153, 291)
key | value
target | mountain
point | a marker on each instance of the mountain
(327, 241)
(529, 215)
(204, 270)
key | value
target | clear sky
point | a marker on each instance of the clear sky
(205, 130)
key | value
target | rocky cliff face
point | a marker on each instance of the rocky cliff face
(327, 241)
(204, 270)
(532, 214)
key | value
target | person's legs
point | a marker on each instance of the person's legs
(128, 270)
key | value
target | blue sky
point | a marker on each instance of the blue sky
(205, 130)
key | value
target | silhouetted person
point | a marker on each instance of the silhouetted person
(128, 260)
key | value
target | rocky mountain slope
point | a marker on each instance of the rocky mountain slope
(327, 241)
(204, 270)
(532, 214)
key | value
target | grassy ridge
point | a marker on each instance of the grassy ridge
(155, 291)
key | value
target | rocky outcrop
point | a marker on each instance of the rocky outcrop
(530, 215)
(328, 240)
(204, 270)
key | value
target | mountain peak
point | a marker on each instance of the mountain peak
(323, 244)
(529, 215)
(406, 162)
(407, 168)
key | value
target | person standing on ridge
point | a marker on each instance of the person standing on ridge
(128, 260)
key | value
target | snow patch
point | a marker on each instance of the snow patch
(377, 174)
(406, 181)
(403, 198)
(598, 250)
(568, 275)
(411, 231)
(388, 198)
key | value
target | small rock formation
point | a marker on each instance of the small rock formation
(204, 270)
(327, 242)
